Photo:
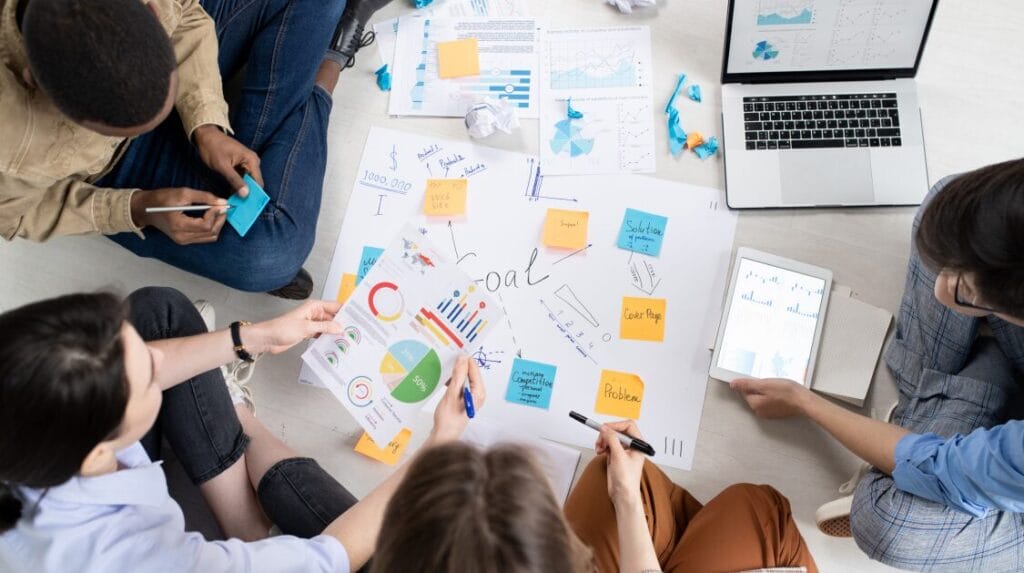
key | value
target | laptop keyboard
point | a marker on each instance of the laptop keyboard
(817, 121)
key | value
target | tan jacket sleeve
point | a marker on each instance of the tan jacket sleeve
(200, 93)
(41, 209)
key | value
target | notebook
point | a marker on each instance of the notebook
(851, 343)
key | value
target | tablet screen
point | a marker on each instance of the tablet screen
(773, 314)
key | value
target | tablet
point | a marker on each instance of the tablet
(771, 325)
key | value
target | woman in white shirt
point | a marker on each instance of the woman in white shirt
(85, 402)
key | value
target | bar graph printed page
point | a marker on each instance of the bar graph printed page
(507, 50)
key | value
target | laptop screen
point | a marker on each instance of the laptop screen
(825, 37)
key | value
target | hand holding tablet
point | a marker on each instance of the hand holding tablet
(772, 321)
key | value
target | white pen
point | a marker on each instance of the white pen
(184, 208)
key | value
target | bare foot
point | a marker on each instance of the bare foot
(327, 75)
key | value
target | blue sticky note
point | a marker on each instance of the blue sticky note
(366, 262)
(383, 78)
(675, 92)
(530, 383)
(694, 92)
(642, 232)
(243, 212)
(676, 133)
(422, 3)
(570, 112)
(708, 148)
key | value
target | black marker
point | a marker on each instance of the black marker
(626, 440)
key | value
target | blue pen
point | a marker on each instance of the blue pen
(467, 397)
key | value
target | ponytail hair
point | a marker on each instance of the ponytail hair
(10, 507)
(63, 390)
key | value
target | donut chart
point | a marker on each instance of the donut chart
(385, 301)
(360, 391)
(411, 370)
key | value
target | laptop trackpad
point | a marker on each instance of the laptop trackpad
(826, 177)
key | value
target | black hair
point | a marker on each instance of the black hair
(975, 225)
(108, 61)
(63, 390)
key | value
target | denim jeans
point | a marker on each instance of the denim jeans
(199, 422)
(281, 115)
(950, 381)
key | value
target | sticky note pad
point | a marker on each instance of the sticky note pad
(642, 319)
(530, 383)
(243, 212)
(642, 232)
(458, 58)
(388, 454)
(566, 229)
(366, 262)
(348, 284)
(620, 394)
(445, 197)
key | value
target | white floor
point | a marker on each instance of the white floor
(971, 80)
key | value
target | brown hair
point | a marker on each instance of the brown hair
(975, 225)
(464, 510)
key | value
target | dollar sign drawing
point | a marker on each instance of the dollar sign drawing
(394, 158)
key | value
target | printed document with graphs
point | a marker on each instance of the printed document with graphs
(405, 324)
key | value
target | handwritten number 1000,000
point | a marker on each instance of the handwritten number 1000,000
(384, 181)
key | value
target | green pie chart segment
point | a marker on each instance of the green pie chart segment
(411, 370)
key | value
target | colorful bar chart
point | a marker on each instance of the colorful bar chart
(456, 320)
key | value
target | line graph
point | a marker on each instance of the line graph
(589, 64)
(785, 12)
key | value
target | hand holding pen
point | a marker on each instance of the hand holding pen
(452, 413)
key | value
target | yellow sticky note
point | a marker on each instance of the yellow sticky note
(348, 284)
(642, 319)
(445, 197)
(389, 454)
(566, 229)
(458, 58)
(620, 394)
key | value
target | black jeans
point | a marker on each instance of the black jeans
(199, 422)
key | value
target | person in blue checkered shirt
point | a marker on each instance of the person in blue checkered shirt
(946, 486)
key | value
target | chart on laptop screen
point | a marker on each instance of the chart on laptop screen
(815, 35)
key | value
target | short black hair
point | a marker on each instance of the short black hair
(108, 61)
(975, 225)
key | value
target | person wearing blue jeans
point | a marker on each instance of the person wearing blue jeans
(282, 115)
(81, 78)
(946, 490)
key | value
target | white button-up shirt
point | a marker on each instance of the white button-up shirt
(127, 521)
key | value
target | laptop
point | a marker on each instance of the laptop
(819, 104)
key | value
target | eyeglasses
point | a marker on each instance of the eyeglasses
(964, 302)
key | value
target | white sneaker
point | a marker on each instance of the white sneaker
(833, 518)
(236, 374)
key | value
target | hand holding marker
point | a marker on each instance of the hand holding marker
(626, 440)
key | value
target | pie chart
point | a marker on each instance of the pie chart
(411, 371)
(569, 138)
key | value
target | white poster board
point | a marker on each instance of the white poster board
(562, 308)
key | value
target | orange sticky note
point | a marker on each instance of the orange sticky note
(458, 58)
(348, 284)
(693, 139)
(388, 454)
(445, 197)
(566, 229)
(642, 319)
(620, 394)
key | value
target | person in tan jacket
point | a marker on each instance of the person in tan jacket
(110, 107)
